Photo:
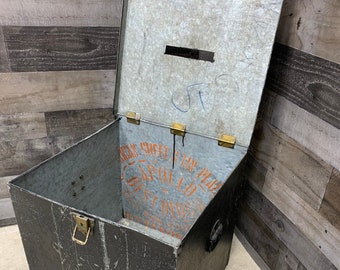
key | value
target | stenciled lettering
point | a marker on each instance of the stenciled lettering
(155, 150)
(188, 163)
(213, 185)
(128, 152)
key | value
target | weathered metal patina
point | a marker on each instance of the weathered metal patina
(157, 188)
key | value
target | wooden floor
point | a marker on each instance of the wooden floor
(13, 256)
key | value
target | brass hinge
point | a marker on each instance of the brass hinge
(227, 141)
(178, 129)
(83, 225)
(133, 118)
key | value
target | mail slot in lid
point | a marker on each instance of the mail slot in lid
(200, 64)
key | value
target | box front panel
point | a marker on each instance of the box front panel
(167, 186)
(46, 229)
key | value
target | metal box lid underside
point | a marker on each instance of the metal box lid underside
(213, 72)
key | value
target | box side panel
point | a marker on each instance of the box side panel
(165, 195)
(85, 176)
(145, 253)
(196, 244)
(35, 220)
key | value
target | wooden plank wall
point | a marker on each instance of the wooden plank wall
(57, 74)
(291, 212)
(57, 77)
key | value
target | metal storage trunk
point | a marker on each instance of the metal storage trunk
(156, 189)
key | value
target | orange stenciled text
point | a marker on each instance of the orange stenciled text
(188, 163)
(128, 152)
(205, 178)
(154, 149)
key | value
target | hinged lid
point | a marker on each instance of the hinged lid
(201, 63)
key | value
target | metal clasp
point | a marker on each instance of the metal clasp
(84, 225)
(178, 129)
(227, 141)
(133, 118)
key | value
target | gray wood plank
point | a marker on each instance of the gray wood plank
(250, 249)
(4, 62)
(312, 26)
(294, 165)
(318, 136)
(18, 156)
(61, 48)
(7, 216)
(56, 91)
(61, 12)
(268, 246)
(4, 193)
(306, 219)
(255, 171)
(77, 123)
(310, 82)
(309, 255)
(64, 129)
(15, 127)
(330, 207)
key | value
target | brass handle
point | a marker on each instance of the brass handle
(84, 225)
(80, 242)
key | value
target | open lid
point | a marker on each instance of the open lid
(200, 63)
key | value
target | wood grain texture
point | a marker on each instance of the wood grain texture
(77, 124)
(330, 207)
(61, 12)
(316, 135)
(250, 249)
(19, 156)
(310, 82)
(308, 254)
(15, 127)
(312, 26)
(4, 193)
(22, 148)
(294, 165)
(314, 226)
(268, 246)
(255, 171)
(61, 48)
(56, 91)
(4, 62)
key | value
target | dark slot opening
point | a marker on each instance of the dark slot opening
(190, 53)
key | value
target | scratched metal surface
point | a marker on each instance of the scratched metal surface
(43, 199)
(85, 177)
(211, 98)
(46, 228)
(166, 199)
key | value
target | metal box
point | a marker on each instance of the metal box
(156, 189)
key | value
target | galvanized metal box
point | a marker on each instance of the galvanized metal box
(157, 191)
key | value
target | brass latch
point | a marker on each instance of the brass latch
(227, 141)
(178, 129)
(133, 118)
(84, 225)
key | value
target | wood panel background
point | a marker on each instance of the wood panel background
(291, 212)
(57, 75)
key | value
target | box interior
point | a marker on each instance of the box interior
(126, 172)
